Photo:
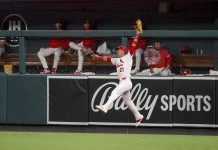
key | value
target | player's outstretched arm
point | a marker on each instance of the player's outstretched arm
(99, 57)
(134, 43)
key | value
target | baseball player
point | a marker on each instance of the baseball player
(142, 44)
(57, 47)
(123, 64)
(158, 59)
(85, 46)
(2, 45)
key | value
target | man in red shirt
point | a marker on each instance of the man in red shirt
(86, 46)
(158, 60)
(142, 44)
(56, 47)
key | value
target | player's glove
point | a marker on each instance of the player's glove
(139, 26)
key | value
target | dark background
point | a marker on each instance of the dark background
(118, 15)
(115, 14)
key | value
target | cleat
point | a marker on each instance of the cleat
(45, 71)
(77, 72)
(54, 71)
(101, 108)
(138, 121)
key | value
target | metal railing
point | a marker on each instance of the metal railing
(171, 38)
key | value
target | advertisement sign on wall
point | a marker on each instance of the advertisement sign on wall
(146, 95)
(193, 101)
(67, 100)
(164, 101)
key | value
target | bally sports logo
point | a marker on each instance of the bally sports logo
(147, 102)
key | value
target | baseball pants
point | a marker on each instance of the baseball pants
(44, 52)
(138, 58)
(81, 55)
(123, 89)
(147, 72)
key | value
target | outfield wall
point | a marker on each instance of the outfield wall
(70, 100)
(23, 99)
(3, 98)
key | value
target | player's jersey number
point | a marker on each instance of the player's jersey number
(121, 69)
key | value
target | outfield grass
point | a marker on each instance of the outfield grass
(89, 141)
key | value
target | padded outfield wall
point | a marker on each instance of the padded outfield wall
(70, 100)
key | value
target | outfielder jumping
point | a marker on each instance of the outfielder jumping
(123, 64)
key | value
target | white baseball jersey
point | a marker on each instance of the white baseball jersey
(123, 65)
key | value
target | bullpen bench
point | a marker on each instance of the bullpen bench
(192, 60)
(67, 64)
(66, 60)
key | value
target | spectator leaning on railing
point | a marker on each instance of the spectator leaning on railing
(86, 46)
(158, 60)
(2, 45)
(56, 46)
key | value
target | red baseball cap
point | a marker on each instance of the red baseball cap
(122, 48)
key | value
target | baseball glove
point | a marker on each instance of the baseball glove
(139, 26)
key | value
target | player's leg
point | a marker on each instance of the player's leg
(79, 48)
(157, 70)
(81, 54)
(80, 62)
(145, 72)
(118, 91)
(138, 58)
(88, 51)
(57, 54)
(44, 52)
(127, 99)
(165, 72)
(76, 47)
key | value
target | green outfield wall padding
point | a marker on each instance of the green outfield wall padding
(26, 99)
(3, 96)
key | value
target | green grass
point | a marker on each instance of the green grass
(89, 141)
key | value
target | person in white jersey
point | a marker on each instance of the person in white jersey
(123, 64)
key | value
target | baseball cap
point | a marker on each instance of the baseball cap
(123, 48)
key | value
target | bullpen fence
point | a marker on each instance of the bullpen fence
(22, 47)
